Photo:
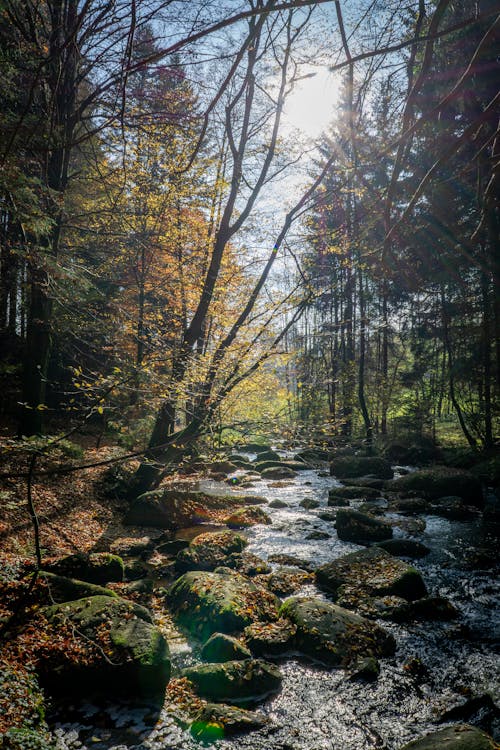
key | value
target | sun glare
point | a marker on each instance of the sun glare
(311, 105)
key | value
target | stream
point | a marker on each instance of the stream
(437, 667)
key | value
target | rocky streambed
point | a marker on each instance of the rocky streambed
(353, 617)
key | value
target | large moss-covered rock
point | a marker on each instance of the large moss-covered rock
(226, 602)
(217, 720)
(114, 648)
(235, 681)
(350, 467)
(174, 508)
(333, 635)
(62, 589)
(372, 572)
(459, 737)
(243, 518)
(361, 528)
(209, 550)
(221, 647)
(271, 638)
(96, 567)
(288, 580)
(404, 548)
(277, 472)
(353, 491)
(441, 481)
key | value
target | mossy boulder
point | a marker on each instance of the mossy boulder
(441, 481)
(222, 467)
(165, 508)
(352, 492)
(361, 466)
(277, 472)
(277, 503)
(313, 455)
(309, 503)
(209, 550)
(62, 589)
(371, 572)
(333, 635)
(221, 647)
(268, 456)
(453, 508)
(235, 681)
(246, 517)
(404, 548)
(96, 567)
(458, 737)
(248, 564)
(427, 609)
(361, 528)
(413, 451)
(271, 638)
(113, 647)
(226, 602)
(288, 580)
(217, 720)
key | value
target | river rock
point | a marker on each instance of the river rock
(271, 638)
(404, 548)
(165, 508)
(217, 720)
(441, 481)
(226, 602)
(221, 647)
(371, 572)
(277, 472)
(427, 609)
(352, 492)
(333, 635)
(283, 559)
(361, 528)
(209, 550)
(361, 466)
(221, 467)
(366, 669)
(459, 737)
(277, 503)
(309, 503)
(452, 507)
(269, 455)
(248, 564)
(313, 455)
(62, 589)
(246, 517)
(130, 654)
(288, 580)
(96, 567)
(235, 681)
(372, 482)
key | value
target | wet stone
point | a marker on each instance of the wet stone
(235, 681)
(221, 647)
(270, 638)
(217, 720)
(278, 504)
(288, 580)
(404, 548)
(458, 737)
(206, 603)
(308, 503)
(361, 528)
(372, 572)
(332, 635)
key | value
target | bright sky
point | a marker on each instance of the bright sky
(311, 106)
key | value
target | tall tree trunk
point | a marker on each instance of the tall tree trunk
(362, 358)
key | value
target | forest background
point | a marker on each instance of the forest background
(178, 260)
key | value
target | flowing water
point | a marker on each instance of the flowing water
(437, 665)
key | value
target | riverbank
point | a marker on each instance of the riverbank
(437, 667)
